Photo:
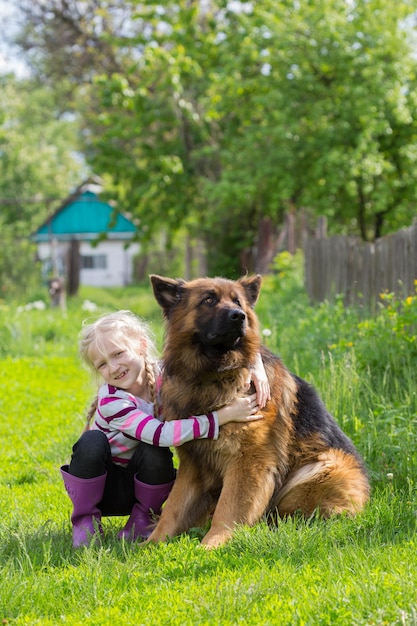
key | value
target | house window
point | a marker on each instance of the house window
(94, 262)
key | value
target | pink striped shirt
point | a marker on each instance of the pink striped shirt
(126, 419)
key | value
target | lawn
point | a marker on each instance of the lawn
(342, 571)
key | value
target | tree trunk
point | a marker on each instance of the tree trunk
(73, 268)
(266, 248)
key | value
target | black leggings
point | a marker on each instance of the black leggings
(91, 457)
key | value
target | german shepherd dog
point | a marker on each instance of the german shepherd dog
(294, 459)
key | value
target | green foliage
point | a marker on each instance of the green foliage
(229, 116)
(19, 272)
(207, 118)
(287, 271)
(391, 336)
(34, 328)
(349, 143)
(38, 160)
(38, 169)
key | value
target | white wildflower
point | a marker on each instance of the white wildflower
(39, 305)
(89, 306)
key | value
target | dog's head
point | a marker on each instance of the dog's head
(212, 316)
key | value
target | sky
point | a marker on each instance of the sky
(9, 58)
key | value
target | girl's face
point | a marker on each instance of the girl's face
(119, 364)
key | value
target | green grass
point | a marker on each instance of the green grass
(343, 571)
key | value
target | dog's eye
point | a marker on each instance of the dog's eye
(237, 301)
(209, 300)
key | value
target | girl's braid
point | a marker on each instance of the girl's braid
(150, 370)
(90, 413)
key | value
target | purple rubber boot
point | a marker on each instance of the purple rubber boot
(85, 494)
(150, 499)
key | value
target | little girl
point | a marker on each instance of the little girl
(122, 462)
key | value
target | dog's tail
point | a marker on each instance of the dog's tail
(304, 475)
(335, 483)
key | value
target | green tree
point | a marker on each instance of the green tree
(238, 115)
(66, 42)
(161, 134)
(39, 165)
(219, 117)
(330, 120)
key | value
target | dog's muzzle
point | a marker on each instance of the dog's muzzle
(228, 329)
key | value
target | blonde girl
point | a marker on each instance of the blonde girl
(122, 464)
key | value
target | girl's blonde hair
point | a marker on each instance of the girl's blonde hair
(131, 331)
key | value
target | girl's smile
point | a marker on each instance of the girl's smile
(122, 375)
(118, 364)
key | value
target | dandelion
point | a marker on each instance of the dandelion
(390, 476)
(38, 305)
(267, 332)
(87, 305)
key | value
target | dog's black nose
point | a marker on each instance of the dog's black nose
(236, 315)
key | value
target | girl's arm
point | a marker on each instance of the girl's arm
(260, 381)
(119, 412)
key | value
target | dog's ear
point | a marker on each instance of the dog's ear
(167, 291)
(252, 287)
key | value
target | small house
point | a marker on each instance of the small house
(87, 237)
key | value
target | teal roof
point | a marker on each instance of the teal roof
(84, 217)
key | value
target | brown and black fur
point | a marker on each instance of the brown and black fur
(295, 459)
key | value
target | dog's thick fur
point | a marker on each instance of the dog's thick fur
(295, 459)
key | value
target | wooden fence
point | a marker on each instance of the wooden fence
(361, 271)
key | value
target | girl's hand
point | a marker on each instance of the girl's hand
(244, 409)
(260, 381)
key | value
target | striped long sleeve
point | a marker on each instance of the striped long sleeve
(126, 419)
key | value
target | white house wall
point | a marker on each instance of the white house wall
(119, 261)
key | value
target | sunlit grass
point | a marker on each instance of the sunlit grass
(343, 571)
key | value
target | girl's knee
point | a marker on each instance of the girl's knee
(90, 454)
(91, 441)
(154, 465)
